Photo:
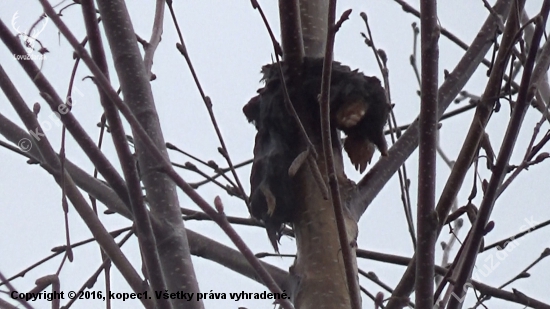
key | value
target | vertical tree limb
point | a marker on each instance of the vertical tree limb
(312, 14)
(156, 34)
(142, 220)
(426, 216)
(169, 230)
(291, 32)
(348, 254)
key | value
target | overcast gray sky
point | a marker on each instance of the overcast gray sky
(228, 44)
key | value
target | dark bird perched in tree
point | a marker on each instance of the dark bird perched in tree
(358, 108)
(272, 196)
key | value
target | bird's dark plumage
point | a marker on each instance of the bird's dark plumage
(358, 108)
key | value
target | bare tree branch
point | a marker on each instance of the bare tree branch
(171, 241)
(326, 133)
(156, 35)
(426, 216)
(140, 213)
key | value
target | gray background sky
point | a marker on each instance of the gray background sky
(228, 44)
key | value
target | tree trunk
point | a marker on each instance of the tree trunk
(319, 267)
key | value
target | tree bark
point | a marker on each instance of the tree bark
(319, 267)
(168, 227)
(319, 264)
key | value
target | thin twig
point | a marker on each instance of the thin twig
(105, 265)
(456, 223)
(230, 189)
(522, 274)
(374, 278)
(413, 57)
(60, 250)
(324, 101)
(156, 34)
(22, 301)
(529, 154)
(221, 172)
(208, 103)
(402, 171)
(276, 45)
(501, 244)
